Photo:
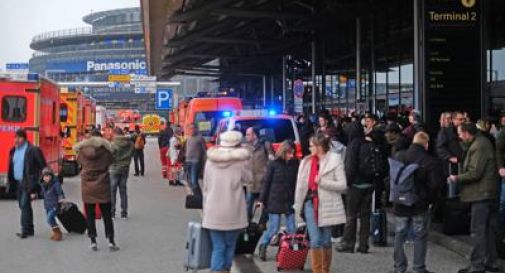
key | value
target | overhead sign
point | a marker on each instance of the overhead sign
(452, 57)
(111, 66)
(16, 66)
(119, 78)
(143, 83)
(164, 99)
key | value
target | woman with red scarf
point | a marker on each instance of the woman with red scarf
(318, 199)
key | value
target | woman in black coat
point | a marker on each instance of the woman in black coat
(278, 193)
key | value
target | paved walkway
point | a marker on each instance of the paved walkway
(152, 240)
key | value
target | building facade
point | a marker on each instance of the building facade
(113, 44)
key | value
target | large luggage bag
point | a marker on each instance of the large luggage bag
(71, 218)
(293, 250)
(249, 237)
(198, 248)
(456, 217)
(378, 225)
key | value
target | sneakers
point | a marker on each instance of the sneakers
(113, 247)
(94, 247)
(24, 235)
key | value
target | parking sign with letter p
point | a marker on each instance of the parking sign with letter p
(164, 99)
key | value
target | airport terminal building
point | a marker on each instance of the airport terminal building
(113, 44)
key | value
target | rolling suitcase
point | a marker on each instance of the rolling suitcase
(198, 248)
(71, 218)
(378, 225)
(293, 250)
(249, 238)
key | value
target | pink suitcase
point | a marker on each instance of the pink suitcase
(293, 250)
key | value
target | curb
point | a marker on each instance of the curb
(450, 243)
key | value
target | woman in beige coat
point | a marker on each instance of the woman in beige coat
(226, 173)
(318, 199)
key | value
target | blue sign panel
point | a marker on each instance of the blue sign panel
(110, 66)
(16, 66)
(164, 99)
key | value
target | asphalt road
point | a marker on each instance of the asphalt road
(152, 240)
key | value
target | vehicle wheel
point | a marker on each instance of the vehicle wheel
(279, 269)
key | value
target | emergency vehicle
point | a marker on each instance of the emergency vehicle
(72, 118)
(151, 124)
(127, 118)
(101, 117)
(205, 113)
(273, 128)
(31, 103)
(89, 113)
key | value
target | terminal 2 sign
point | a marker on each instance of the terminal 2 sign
(452, 56)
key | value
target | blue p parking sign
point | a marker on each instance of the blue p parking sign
(164, 99)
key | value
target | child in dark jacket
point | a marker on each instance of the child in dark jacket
(53, 195)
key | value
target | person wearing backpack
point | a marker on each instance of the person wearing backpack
(411, 200)
(138, 155)
(365, 163)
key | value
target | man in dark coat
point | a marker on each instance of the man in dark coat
(25, 166)
(448, 145)
(427, 179)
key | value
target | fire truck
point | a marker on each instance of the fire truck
(89, 113)
(31, 103)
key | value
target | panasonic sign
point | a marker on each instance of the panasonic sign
(95, 66)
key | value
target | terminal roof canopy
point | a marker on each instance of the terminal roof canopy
(250, 37)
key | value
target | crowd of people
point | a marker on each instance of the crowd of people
(345, 175)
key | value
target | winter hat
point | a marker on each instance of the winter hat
(47, 171)
(230, 139)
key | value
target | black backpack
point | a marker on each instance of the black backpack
(372, 163)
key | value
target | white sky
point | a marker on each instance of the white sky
(20, 20)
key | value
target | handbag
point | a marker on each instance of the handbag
(194, 201)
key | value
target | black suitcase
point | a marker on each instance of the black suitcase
(249, 237)
(456, 218)
(378, 225)
(71, 218)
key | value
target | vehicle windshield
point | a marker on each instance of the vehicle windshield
(206, 122)
(271, 130)
(63, 112)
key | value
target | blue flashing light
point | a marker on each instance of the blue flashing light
(272, 112)
(226, 114)
(33, 76)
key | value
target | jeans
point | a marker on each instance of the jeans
(119, 180)
(274, 224)
(223, 249)
(25, 205)
(502, 207)
(107, 220)
(320, 237)
(251, 198)
(359, 202)
(419, 224)
(193, 173)
(138, 159)
(51, 217)
(483, 235)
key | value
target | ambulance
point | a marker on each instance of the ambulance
(31, 103)
(72, 122)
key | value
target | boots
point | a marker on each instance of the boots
(263, 252)
(57, 235)
(326, 263)
(316, 257)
